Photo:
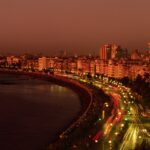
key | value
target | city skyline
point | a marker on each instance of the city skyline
(74, 74)
(78, 26)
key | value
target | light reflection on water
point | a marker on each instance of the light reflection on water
(33, 111)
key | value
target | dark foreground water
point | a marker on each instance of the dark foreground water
(32, 112)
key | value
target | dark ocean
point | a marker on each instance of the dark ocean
(33, 112)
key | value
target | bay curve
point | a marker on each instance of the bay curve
(33, 112)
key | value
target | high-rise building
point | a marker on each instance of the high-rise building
(105, 52)
(114, 49)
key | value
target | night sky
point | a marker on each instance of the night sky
(79, 26)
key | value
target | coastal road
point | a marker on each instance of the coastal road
(125, 120)
(126, 111)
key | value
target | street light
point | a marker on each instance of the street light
(110, 144)
(96, 141)
(140, 137)
(103, 112)
(122, 125)
(119, 113)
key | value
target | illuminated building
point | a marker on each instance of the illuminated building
(32, 64)
(105, 52)
(79, 64)
(86, 66)
(92, 68)
(97, 66)
(136, 69)
(113, 62)
(73, 67)
(43, 63)
(12, 60)
(114, 49)
(103, 67)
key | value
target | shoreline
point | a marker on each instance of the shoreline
(92, 100)
(82, 92)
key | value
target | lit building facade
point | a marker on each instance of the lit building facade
(43, 63)
(105, 52)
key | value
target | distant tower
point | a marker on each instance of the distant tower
(105, 52)
(114, 48)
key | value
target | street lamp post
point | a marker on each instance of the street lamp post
(105, 105)
(103, 114)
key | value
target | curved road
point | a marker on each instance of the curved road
(125, 119)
